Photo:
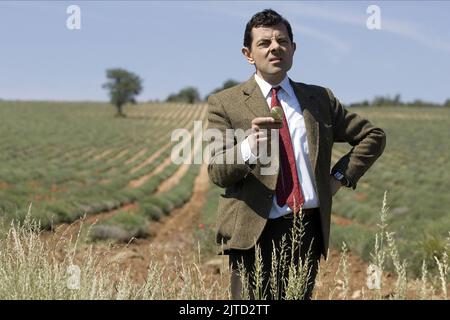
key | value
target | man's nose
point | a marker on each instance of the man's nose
(274, 46)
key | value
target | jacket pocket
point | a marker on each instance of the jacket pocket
(227, 212)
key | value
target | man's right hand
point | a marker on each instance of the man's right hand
(259, 137)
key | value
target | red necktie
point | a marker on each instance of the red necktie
(288, 188)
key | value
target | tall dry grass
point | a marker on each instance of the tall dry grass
(36, 267)
(31, 268)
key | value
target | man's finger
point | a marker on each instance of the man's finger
(262, 120)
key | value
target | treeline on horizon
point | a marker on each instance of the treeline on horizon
(191, 95)
(388, 101)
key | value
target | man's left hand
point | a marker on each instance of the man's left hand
(335, 185)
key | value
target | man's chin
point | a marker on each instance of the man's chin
(279, 72)
(278, 69)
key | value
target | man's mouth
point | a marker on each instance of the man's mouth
(276, 59)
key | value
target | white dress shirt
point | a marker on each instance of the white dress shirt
(296, 124)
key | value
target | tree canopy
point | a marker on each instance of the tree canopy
(185, 95)
(123, 87)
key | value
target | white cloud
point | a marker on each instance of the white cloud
(338, 44)
(402, 28)
(410, 31)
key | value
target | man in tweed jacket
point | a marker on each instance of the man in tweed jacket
(248, 213)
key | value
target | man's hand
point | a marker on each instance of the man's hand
(335, 185)
(260, 137)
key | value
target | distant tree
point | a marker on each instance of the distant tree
(387, 101)
(227, 84)
(365, 103)
(418, 103)
(186, 95)
(123, 88)
(379, 101)
(397, 100)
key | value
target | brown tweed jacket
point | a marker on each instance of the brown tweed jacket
(245, 205)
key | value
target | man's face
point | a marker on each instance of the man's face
(271, 52)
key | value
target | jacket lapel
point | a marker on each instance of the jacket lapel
(311, 116)
(254, 100)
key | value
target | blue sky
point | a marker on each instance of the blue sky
(176, 44)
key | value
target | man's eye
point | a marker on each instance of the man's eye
(263, 44)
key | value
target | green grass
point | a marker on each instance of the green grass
(415, 172)
(68, 159)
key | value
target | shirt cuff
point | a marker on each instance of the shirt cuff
(247, 154)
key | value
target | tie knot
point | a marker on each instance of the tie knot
(276, 89)
(275, 102)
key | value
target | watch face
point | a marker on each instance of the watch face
(338, 175)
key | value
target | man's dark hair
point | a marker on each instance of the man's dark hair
(265, 18)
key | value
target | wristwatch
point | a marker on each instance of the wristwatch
(340, 177)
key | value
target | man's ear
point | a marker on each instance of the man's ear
(294, 45)
(248, 55)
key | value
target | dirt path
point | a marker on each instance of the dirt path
(171, 238)
(175, 233)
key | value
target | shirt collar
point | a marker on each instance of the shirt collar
(267, 87)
